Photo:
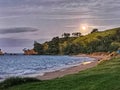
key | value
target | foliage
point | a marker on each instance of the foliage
(16, 81)
(76, 34)
(66, 35)
(94, 30)
(102, 41)
(38, 47)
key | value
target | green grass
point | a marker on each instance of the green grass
(16, 81)
(105, 76)
(94, 36)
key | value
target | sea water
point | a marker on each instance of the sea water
(21, 65)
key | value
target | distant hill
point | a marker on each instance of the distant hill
(101, 41)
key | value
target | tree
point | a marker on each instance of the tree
(76, 34)
(66, 35)
(53, 46)
(94, 30)
(118, 35)
(55, 40)
(38, 47)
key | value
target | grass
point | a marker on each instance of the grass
(94, 36)
(105, 76)
(16, 81)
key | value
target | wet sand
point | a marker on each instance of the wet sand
(71, 70)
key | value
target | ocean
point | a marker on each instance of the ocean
(21, 65)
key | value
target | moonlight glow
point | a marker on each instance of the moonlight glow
(84, 26)
(84, 29)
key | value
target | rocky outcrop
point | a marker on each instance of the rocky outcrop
(29, 52)
(1, 53)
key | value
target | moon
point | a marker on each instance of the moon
(84, 27)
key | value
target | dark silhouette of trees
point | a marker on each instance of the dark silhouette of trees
(76, 34)
(53, 46)
(38, 47)
(66, 35)
(94, 30)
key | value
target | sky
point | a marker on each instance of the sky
(24, 21)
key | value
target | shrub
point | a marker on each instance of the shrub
(16, 81)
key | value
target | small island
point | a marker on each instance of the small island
(1, 53)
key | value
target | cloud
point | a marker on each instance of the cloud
(11, 42)
(99, 8)
(17, 30)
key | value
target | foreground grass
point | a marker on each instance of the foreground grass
(105, 76)
(16, 81)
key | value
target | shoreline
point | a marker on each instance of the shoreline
(85, 60)
(71, 70)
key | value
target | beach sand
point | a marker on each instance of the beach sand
(71, 70)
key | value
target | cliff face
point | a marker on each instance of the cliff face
(30, 52)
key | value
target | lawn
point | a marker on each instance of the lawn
(105, 76)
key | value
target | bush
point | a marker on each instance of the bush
(16, 81)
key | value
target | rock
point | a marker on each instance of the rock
(30, 52)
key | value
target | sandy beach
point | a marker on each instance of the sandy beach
(71, 70)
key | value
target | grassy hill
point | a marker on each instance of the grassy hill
(95, 36)
(101, 41)
(105, 76)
